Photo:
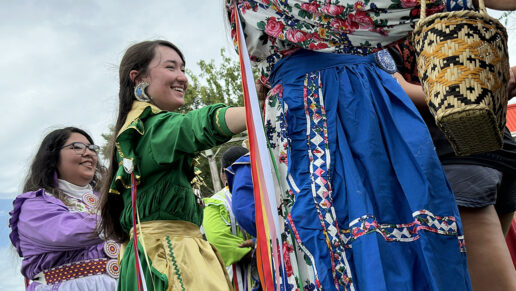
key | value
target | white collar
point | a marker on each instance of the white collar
(73, 190)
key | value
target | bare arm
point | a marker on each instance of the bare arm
(415, 92)
(498, 4)
(235, 119)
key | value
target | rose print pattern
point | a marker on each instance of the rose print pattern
(276, 28)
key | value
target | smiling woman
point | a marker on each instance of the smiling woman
(153, 151)
(53, 223)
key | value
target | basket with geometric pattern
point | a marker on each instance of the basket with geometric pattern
(463, 66)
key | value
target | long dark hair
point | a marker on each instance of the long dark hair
(43, 170)
(137, 57)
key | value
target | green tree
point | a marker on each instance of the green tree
(217, 83)
(105, 151)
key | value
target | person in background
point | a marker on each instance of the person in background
(240, 184)
(151, 168)
(53, 223)
(484, 185)
(222, 230)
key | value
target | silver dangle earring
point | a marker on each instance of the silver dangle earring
(139, 92)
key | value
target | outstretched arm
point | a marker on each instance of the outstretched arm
(235, 119)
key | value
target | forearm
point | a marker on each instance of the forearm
(415, 92)
(235, 119)
(498, 4)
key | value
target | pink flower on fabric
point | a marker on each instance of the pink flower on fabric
(263, 79)
(317, 46)
(361, 19)
(408, 3)
(332, 10)
(274, 27)
(296, 35)
(359, 5)
(344, 25)
(287, 249)
(316, 37)
(312, 8)
(283, 158)
(275, 90)
(338, 24)
(246, 6)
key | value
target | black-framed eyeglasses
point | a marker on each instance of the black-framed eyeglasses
(80, 148)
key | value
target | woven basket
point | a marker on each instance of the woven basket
(463, 66)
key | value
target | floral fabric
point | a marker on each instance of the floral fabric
(276, 28)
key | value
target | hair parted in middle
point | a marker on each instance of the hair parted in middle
(137, 57)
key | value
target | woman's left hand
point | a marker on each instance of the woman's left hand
(247, 244)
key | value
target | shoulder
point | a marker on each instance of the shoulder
(29, 202)
(39, 196)
(243, 160)
(217, 199)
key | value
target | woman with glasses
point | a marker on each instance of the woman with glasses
(53, 223)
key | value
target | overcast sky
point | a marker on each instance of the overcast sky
(59, 65)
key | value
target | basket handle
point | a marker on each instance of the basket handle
(481, 8)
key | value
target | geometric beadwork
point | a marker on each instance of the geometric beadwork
(111, 249)
(90, 200)
(113, 268)
(320, 160)
(76, 270)
(424, 220)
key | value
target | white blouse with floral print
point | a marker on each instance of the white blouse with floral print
(276, 28)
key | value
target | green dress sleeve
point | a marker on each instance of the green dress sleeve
(219, 234)
(171, 135)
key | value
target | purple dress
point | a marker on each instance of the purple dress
(48, 234)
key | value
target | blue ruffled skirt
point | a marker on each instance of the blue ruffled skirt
(367, 201)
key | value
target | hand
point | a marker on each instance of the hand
(262, 91)
(511, 85)
(247, 244)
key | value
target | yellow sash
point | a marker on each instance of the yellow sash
(178, 250)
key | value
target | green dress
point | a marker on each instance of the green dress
(162, 146)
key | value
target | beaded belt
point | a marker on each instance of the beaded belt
(82, 269)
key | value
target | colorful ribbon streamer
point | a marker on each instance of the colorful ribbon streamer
(269, 257)
(140, 278)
